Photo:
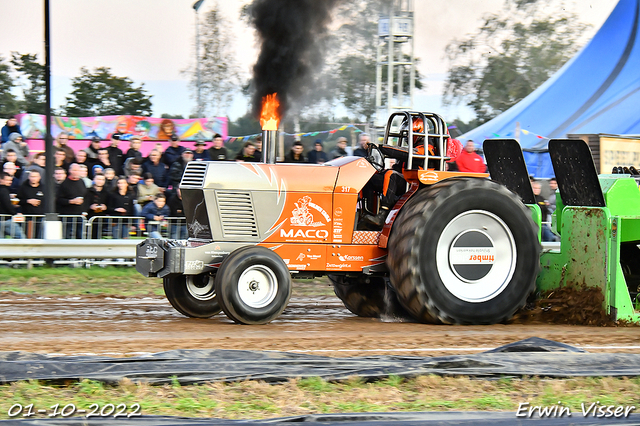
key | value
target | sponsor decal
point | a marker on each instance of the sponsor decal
(338, 265)
(362, 164)
(301, 216)
(152, 251)
(312, 234)
(300, 257)
(348, 258)
(429, 176)
(338, 212)
(472, 255)
(196, 228)
(193, 265)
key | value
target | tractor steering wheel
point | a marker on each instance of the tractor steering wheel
(375, 156)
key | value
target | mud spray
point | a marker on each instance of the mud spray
(291, 34)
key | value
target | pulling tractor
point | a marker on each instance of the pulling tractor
(455, 248)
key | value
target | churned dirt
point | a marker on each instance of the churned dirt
(311, 324)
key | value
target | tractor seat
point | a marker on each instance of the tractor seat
(401, 154)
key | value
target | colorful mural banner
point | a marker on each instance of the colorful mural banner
(147, 128)
(298, 135)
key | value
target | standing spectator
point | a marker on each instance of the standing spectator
(84, 160)
(38, 164)
(147, 190)
(547, 235)
(103, 159)
(12, 157)
(121, 204)
(11, 169)
(295, 155)
(177, 169)
(246, 153)
(116, 156)
(218, 152)
(59, 176)
(317, 155)
(553, 186)
(340, 150)
(70, 201)
(31, 196)
(11, 126)
(200, 154)
(84, 175)
(134, 149)
(156, 212)
(60, 159)
(93, 148)
(132, 181)
(7, 226)
(157, 169)
(173, 151)
(362, 150)
(470, 162)
(97, 205)
(178, 229)
(132, 165)
(17, 144)
(258, 152)
(110, 177)
(61, 142)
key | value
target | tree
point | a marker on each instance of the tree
(102, 93)
(219, 72)
(509, 56)
(172, 116)
(8, 103)
(34, 96)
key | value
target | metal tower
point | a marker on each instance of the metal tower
(396, 52)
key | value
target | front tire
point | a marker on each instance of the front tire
(254, 285)
(464, 251)
(192, 295)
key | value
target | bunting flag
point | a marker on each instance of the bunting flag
(526, 132)
(298, 135)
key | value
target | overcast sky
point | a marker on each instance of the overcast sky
(152, 41)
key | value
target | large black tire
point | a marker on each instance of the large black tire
(363, 296)
(464, 251)
(192, 295)
(253, 285)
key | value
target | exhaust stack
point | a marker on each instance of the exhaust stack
(269, 120)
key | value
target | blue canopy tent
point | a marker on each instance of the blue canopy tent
(597, 91)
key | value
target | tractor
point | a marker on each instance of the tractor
(453, 248)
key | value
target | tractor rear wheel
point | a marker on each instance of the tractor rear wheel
(253, 285)
(370, 297)
(464, 251)
(192, 295)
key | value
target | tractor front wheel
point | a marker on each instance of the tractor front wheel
(464, 251)
(192, 295)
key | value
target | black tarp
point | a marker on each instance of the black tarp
(530, 357)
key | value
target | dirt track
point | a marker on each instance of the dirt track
(316, 324)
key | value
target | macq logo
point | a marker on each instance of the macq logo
(315, 234)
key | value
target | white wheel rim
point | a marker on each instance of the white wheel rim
(476, 256)
(201, 289)
(257, 286)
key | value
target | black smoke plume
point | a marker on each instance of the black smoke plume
(291, 34)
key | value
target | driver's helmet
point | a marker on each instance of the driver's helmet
(418, 127)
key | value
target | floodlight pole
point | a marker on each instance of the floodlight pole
(196, 6)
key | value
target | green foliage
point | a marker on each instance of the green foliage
(510, 55)
(102, 93)
(34, 93)
(172, 116)
(8, 102)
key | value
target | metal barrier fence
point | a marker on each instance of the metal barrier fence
(97, 227)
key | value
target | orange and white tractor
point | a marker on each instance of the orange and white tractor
(452, 247)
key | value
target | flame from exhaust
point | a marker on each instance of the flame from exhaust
(269, 118)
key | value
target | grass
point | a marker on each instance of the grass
(120, 281)
(254, 400)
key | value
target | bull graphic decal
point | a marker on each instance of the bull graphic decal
(301, 216)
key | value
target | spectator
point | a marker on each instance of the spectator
(156, 212)
(257, 155)
(134, 149)
(10, 169)
(38, 164)
(60, 159)
(97, 205)
(120, 203)
(470, 162)
(61, 142)
(553, 186)
(132, 165)
(247, 152)
(157, 169)
(17, 144)
(11, 126)
(83, 159)
(70, 201)
(317, 155)
(178, 229)
(93, 148)
(84, 175)
(340, 150)
(218, 152)
(110, 177)
(173, 152)
(132, 181)
(547, 235)
(31, 196)
(7, 225)
(200, 154)
(116, 156)
(147, 190)
(177, 169)
(295, 155)
(12, 157)
(362, 150)
(59, 176)
(103, 159)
